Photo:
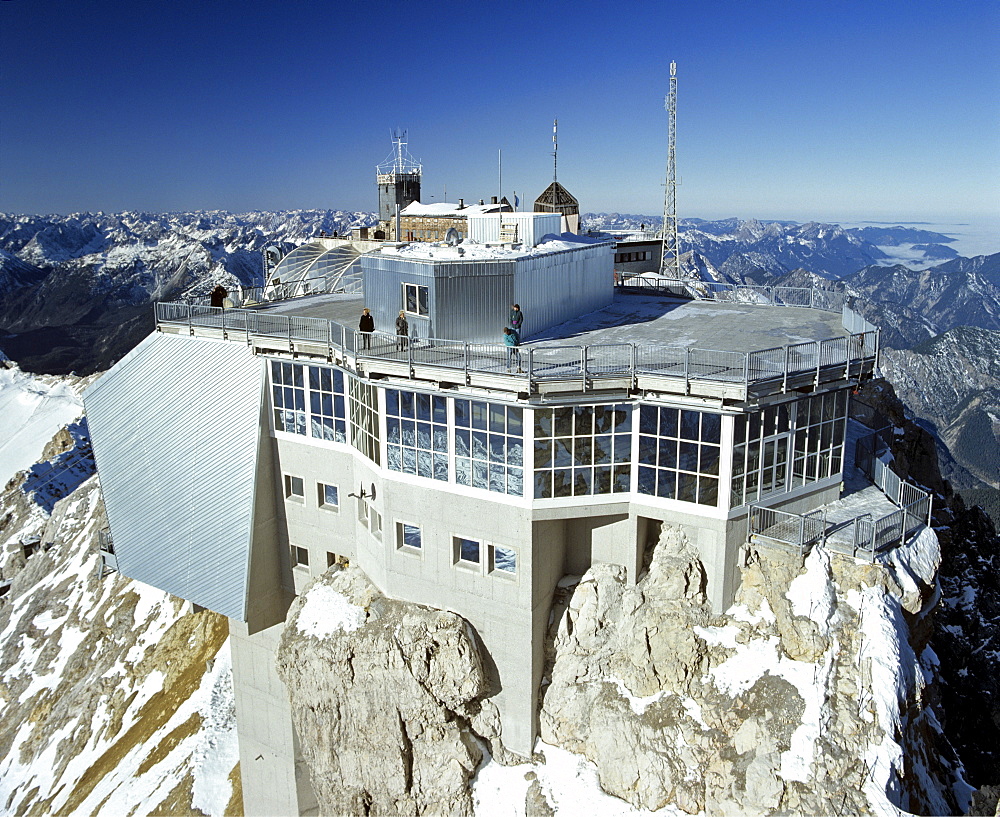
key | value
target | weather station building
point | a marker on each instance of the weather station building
(452, 479)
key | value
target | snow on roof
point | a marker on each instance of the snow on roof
(447, 209)
(472, 251)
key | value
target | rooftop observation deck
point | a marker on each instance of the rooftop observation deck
(731, 344)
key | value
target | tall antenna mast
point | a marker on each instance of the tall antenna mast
(555, 147)
(670, 257)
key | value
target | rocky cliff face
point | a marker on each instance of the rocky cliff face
(385, 696)
(966, 635)
(114, 697)
(781, 706)
(953, 382)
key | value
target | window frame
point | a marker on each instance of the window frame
(510, 575)
(289, 485)
(467, 564)
(321, 497)
(402, 544)
(422, 310)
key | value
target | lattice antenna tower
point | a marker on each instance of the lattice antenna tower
(670, 257)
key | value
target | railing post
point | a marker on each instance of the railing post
(802, 533)
(224, 335)
(583, 365)
(409, 355)
(812, 297)
(190, 325)
(687, 369)
(819, 353)
(746, 369)
(288, 321)
(784, 376)
(329, 339)
(465, 360)
(633, 362)
(531, 364)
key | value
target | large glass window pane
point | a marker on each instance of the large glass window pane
(689, 424)
(687, 486)
(687, 459)
(647, 480)
(647, 420)
(710, 455)
(666, 482)
(563, 421)
(708, 491)
(711, 428)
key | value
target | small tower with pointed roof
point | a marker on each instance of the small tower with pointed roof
(556, 198)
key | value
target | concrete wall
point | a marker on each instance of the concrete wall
(274, 776)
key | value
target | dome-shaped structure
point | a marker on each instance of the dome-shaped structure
(321, 265)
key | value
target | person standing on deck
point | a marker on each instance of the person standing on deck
(402, 331)
(516, 320)
(366, 326)
(512, 340)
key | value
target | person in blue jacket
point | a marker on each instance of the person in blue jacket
(512, 340)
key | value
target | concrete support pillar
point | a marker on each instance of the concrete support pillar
(275, 778)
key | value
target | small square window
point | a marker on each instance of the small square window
(295, 487)
(408, 535)
(375, 523)
(504, 560)
(329, 496)
(331, 559)
(300, 556)
(467, 551)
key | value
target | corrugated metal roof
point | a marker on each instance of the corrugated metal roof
(175, 426)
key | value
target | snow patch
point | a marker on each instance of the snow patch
(326, 611)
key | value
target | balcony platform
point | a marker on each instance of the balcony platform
(735, 351)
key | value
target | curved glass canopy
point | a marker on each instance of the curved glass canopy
(323, 265)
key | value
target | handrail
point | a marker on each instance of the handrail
(545, 362)
(914, 510)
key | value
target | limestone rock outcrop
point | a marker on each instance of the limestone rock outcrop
(383, 696)
(790, 703)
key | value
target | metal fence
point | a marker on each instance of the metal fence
(796, 531)
(866, 536)
(541, 362)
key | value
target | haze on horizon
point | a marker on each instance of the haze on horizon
(855, 111)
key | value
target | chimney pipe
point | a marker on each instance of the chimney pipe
(461, 204)
(494, 200)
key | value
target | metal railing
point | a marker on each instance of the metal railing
(540, 362)
(867, 536)
(797, 531)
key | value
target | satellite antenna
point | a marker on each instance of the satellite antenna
(453, 237)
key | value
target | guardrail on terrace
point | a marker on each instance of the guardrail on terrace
(862, 535)
(543, 362)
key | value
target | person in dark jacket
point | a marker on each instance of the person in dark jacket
(218, 296)
(516, 320)
(366, 326)
(402, 331)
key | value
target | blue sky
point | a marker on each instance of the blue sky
(839, 111)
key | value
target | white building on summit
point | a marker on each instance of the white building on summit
(243, 452)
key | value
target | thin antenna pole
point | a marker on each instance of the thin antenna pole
(555, 148)
(500, 175)
(670, 256)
